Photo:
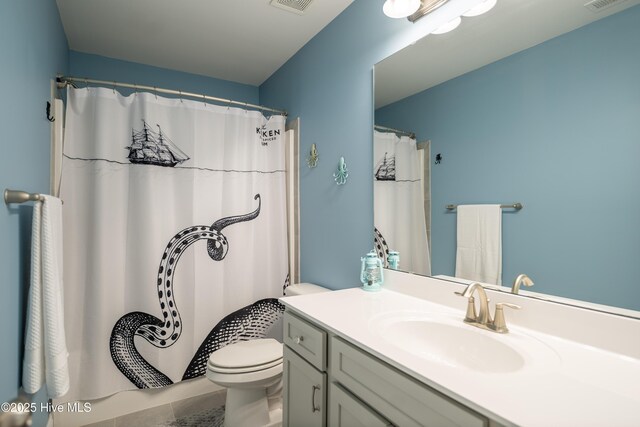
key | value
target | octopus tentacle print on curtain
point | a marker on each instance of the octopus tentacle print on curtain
(175, 236)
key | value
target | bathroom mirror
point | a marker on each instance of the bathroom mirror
(535, 102)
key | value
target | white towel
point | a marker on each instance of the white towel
(479, 243)
(45, 354)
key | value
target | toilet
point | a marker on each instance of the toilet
(252, 373)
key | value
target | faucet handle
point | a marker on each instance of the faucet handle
(471, 316)
(499, 325)
(499, 305)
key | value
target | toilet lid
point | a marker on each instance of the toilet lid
(246, 370)
(247, 354)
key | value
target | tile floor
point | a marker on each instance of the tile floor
(206, 410)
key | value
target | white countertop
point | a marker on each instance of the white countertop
(570, 384)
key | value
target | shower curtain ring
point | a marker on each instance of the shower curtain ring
(204, 100)
(181, 100)
(86, 83)
(114, 87)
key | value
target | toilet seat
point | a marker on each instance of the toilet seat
(246, 356)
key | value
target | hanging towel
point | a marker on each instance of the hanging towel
(479, 243)
(45, 355)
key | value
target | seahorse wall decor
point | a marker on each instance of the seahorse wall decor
(250, 322)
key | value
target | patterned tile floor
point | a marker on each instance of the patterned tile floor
(201, 411)
(207, 418)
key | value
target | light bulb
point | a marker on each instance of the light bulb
(400, 8)
(480, 8)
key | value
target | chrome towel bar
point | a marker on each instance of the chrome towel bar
(13, 196)
(516, 206)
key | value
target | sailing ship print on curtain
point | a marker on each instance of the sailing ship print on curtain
(153, 148)
(175, 231)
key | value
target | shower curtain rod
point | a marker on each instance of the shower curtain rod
(63, 81)
(401, 132)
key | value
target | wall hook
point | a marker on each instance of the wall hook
(49, 116)
(312, 160)
(438, 158)
(342, 173)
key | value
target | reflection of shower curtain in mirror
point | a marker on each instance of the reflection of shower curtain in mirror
(399, 215)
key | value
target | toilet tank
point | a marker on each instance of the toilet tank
(304, 289)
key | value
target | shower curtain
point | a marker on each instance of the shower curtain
(399, 218)
(175, 235)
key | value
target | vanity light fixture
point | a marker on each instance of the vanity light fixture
(449, 26)
(400, 8)
(426, 7)
(480, 8)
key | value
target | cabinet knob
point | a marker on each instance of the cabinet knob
(298, 339)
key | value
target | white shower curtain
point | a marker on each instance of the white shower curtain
(175, 235)
(399, 202)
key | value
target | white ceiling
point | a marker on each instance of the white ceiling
(511, 26)
(238, 40)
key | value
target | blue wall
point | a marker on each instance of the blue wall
(33, 48)
(103, 68)
(329, 84)
(557, 128)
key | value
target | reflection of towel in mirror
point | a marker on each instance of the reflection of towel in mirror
(479, 243)
(45, 354)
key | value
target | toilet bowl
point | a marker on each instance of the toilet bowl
(252, 373)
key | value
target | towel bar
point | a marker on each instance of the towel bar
(14, 196)
(516, 206)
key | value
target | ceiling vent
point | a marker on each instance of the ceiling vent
(295, 6)
(599, 5)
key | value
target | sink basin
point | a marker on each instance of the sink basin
(452, 343)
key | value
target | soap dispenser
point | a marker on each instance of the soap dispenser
(371, 274)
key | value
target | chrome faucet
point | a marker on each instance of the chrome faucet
(522, 279)
(483, 318)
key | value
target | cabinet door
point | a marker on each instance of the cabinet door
(347, 411)
(396, 396)
(304, 394)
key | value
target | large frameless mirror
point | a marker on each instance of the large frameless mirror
(536, 102)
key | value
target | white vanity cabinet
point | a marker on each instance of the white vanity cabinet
(360, 389)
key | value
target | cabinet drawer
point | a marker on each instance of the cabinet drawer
(399, 398)
(307, 340)
(347, 411)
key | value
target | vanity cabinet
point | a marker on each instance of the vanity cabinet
(304, 393)
(347, 410)
(329, 381)
(396, 396)
(304, 376)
